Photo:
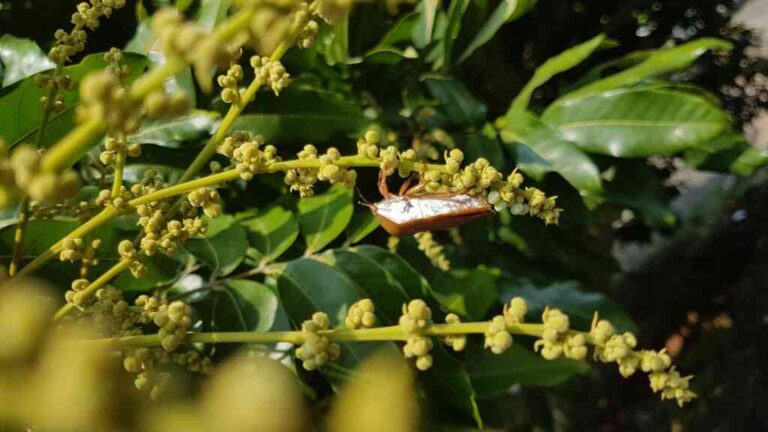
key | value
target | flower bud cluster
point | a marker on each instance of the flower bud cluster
(114, 57)
(113, 147)
(27, 175)
(271, 73)
(158, 104)
(247, 153)
(71, 249)
(173, 320)
(368, 146)
(147, 364)
(360, 315)
(332, 172)
(229, 82)
(303, 179)
(76, 294)
(619, 348)
(208, 199)
(415, 318)
(128, 252)
(103, 96)
(316, 350)
(457, 342)
(269, 27)
(433, 250)
(53, 83)
(87, 15)
(302, 19)
(497, 337)
(557, 340)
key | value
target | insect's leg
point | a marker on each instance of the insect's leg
(416, 189)
(405, 185)
(383, 188)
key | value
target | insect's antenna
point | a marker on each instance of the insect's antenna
(364, 201)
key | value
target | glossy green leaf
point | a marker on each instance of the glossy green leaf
(20, 103)
(307, 285)
(448, 380)
(272, 231)
(245, 305)
(412, 282)
(161, 270)
(564, 157)
(580, 306)
(456, 11)
(302, 114)
(456, 101)
(20, 58)
(425, 26)
(9, 216)
(749, 161)
(375, 282)
(361, 224)
(223, 251)
(562, 62)
(695, 157)
(637, 122)
(469, 293)
(507, 11)
(659, 62)
(323, 217)
(174, 131)
(492, 374)
(333, 42)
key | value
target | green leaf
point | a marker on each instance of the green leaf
(637, 122)
(456, 11)
(425, 26)
(658, 63)
(563, 156)
(492, 374)
(21, 58)
(749, 161)
(20, 103)
(361, 224)
(272, 231)
(507, 11)
(223, 251)
(469, 293)
(695, 157)
(333, 42)
(161, 270)
(412, 282)
(174, 131)
(248, 306)
(307, 286)
(303, 114)
(456, 101)
(448, 380)
(560, 63)
(375, 282)
(324, 217)
(9, 216)
(580, 306)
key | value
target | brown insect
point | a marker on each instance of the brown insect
(410, 212)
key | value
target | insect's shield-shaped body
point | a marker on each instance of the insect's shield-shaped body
(409, 214)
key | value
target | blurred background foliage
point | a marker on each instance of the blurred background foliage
(663, 226)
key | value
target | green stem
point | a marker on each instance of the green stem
(376, 334)
(115, 270)
(18, 236)
(103, 217)
(117, 181)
